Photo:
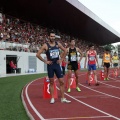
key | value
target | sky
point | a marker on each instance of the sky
(107, 10)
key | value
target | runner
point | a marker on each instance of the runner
(63, 66)
(115, 61)
(106, 62)
(64, 62)
(73, 63)
(91, 56)
(53, 64)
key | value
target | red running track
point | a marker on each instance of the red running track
(93, 102)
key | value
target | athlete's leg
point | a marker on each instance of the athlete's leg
(96, 80)
(76, 75)
(108, 67)
(63, 99)
(61, 82)
(95, 73)
(51, 78)
(69, 67)
(69, 77)
(89, 73)
(52, 87)
(105, 72)
(59, 75)
(116, 69)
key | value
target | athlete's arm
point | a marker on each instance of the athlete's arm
(103, 61)
(67, 51)
(118, 62)
(61, 54)
(64, 51)
(86, 59)
(111, 60)
(38, 55)
(81, 54)
(96, 58)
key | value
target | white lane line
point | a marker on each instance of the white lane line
(99, 91)
(30, 103)
(82, 117)
(113, 78)
(25, 106)
(91, 106)
(90, 96)
(111, 85)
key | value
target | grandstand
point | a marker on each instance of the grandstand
(22, 32)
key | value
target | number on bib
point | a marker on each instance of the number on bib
(92, 58)
(54, 53)
(73, 58)
(107, 58)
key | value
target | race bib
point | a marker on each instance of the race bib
(73, 58)
(115, 61)
(54, 53)
(107, 58)
(92, 58)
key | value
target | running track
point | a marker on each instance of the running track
(92, 103)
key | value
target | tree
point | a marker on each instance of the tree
(110, 47)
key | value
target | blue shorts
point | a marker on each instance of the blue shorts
(54, 68)
(91, 67)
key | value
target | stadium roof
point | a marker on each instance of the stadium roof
(69, 16)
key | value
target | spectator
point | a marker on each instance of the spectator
(12, 66)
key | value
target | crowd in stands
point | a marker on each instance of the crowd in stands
(19, 35)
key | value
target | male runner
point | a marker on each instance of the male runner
(73, 63)
(53, 64)
(106, 62)
(115, 61)
(91, 56)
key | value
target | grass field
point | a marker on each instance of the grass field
(11, 107)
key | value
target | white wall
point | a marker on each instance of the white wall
(23, 61)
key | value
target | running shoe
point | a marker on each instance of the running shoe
(69, 90)
(105, 78)
(78, 89)
(52, 101)
(64, 100)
